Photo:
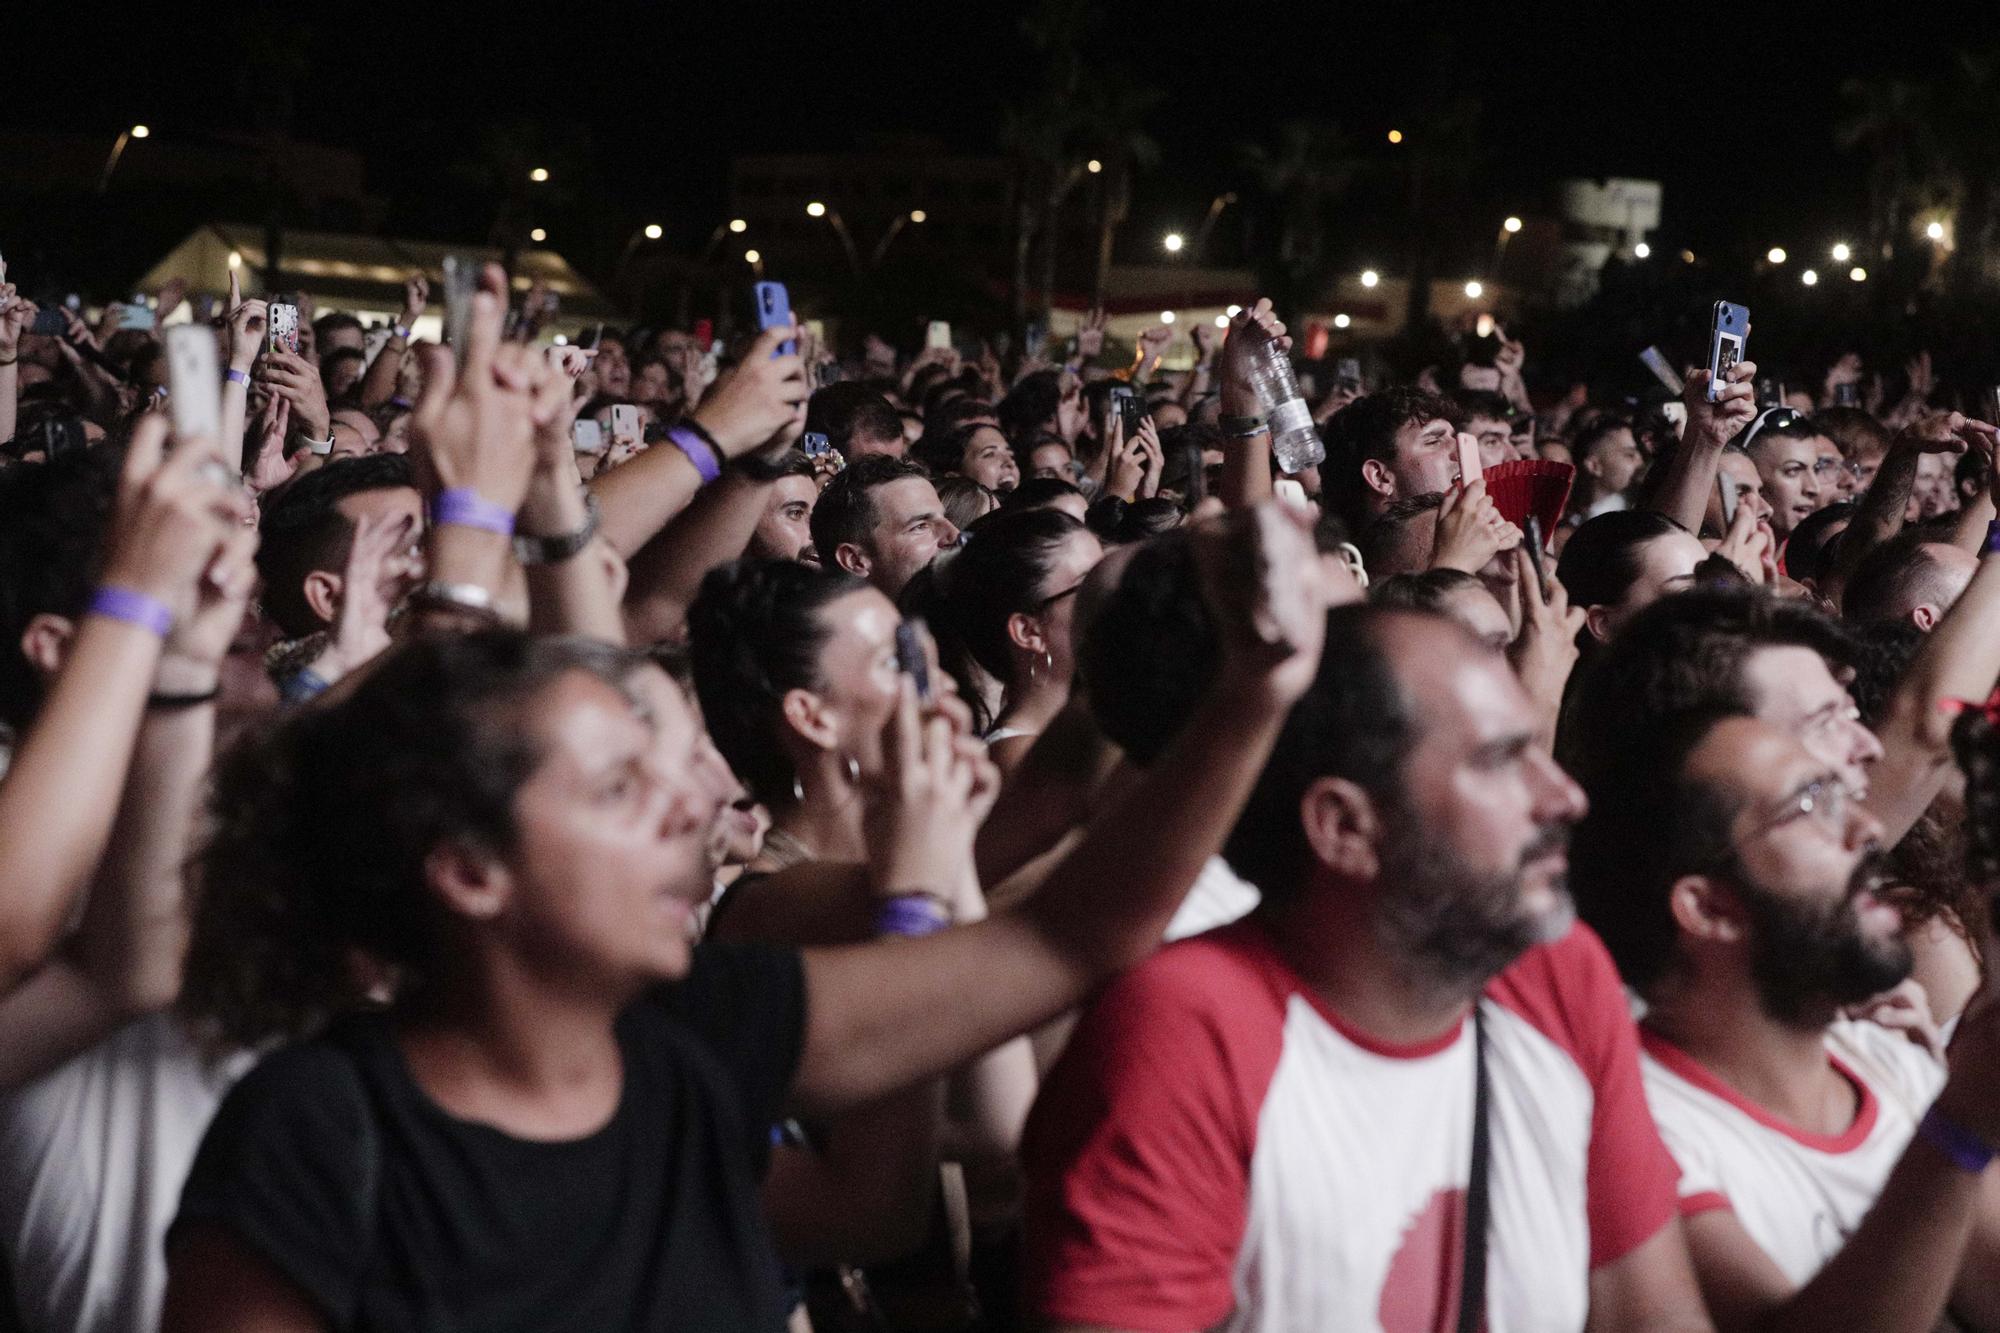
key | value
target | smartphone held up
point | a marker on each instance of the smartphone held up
(1728, 333)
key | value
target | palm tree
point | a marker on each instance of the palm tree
(1437, 156)
(1303, 174)
(1111, 118)
(1891, 121)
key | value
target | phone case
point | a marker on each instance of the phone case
(194, 382)
(1469, 467)
(1728, 331)
(282, 328)
(461, 280)
(910, 659)
(586, 436)
(774, 308)
(625, 421)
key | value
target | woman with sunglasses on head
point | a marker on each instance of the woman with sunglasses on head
(1004, 606)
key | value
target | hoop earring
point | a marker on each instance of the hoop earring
(798, 789)
(853, 770)
(1048, 661)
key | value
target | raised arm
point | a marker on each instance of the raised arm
(378, 384)
(1246, 460)
(745, 410)
(668, 570)
(60, 795)
(1880, 516)
(245, 337)
(1958, 660)
(125, 958)
(1682, 491)
(884, 1015)
(16, 314)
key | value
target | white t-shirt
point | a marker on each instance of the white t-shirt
(1217, 1148)
(1219, 897)
(92, 1158)
(1799, 1195)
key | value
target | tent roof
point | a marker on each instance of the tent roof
(363, 273)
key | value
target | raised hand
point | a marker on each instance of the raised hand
(172, 517)
(1152, 458)
(761, 402)
(270, 469)
(1239, 354)
(192, 659)
(1545, 652)
(1470, 530)
(920, 815)
(416, 299)
(16, 314)
(1090, 335)
(170, 298)
(1268, 593)
(246, 333)
(1734, 408)
(296, 379)
(474, 429)
(1748, 543)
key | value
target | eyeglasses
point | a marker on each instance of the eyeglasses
(1823, 800)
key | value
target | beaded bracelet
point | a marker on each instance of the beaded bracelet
(133, 608)
(462, 507)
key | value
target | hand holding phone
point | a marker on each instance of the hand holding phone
(461, 280)
(1470, 469)
(774, 310)
(1728, 333)
(281, 329)
(194, 381)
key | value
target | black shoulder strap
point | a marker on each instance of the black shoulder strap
(1472, 1280)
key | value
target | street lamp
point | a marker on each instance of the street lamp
(1369, 277)
(538, 235)
(1857, 274)
(916, 215)
(1935, 231)
(1395, 136)
(1475, 289)
(1341, 321)
(816, 209)
(1809, 278)
(654, 231)
(1776, 254)
(1841, 253)
(118, 151)
(539, 175)
(1215, 207)
(1511, 225)
(1166, 317)
(1173, 242)
(1641, 250)
(738, 226)
(1093, 166)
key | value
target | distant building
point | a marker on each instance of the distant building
(1600, 219)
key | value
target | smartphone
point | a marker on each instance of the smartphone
(815, 443)
(1535, 557)
(136, 315)
(625, 421)
(1292, 492)
(1129, 409)
(49, 323)
(194, 382)
(461, 280)
(774, 310)
(281, 328)
(1469, 467)
(1656, 361)
(911, 661)
(1728, 331)
(1727, 494)
(586, 436)
(1847, 395)
(937, 337)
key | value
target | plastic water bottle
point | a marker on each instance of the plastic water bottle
(1294, 442)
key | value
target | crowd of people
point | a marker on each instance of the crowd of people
(753, 834)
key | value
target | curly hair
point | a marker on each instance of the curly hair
(313, 873)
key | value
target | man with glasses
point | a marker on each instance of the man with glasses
(1832, 1175)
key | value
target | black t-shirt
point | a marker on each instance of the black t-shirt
(330, 1162)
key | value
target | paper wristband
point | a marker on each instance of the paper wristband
(134, 608)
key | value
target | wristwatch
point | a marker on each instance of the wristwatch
(530, 550)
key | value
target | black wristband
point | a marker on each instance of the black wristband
(170, 702)
(762, 469)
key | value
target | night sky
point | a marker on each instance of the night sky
(1734, 113)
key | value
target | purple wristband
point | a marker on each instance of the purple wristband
(911, 915)
(699, 452)
(462, 507)
(235, 376)
(1992, 538)
(1967, 1151)
(134, 608)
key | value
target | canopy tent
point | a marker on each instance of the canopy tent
(364, 275)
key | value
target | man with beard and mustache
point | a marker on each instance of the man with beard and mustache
(1272, 1125)
(1818, 1191)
